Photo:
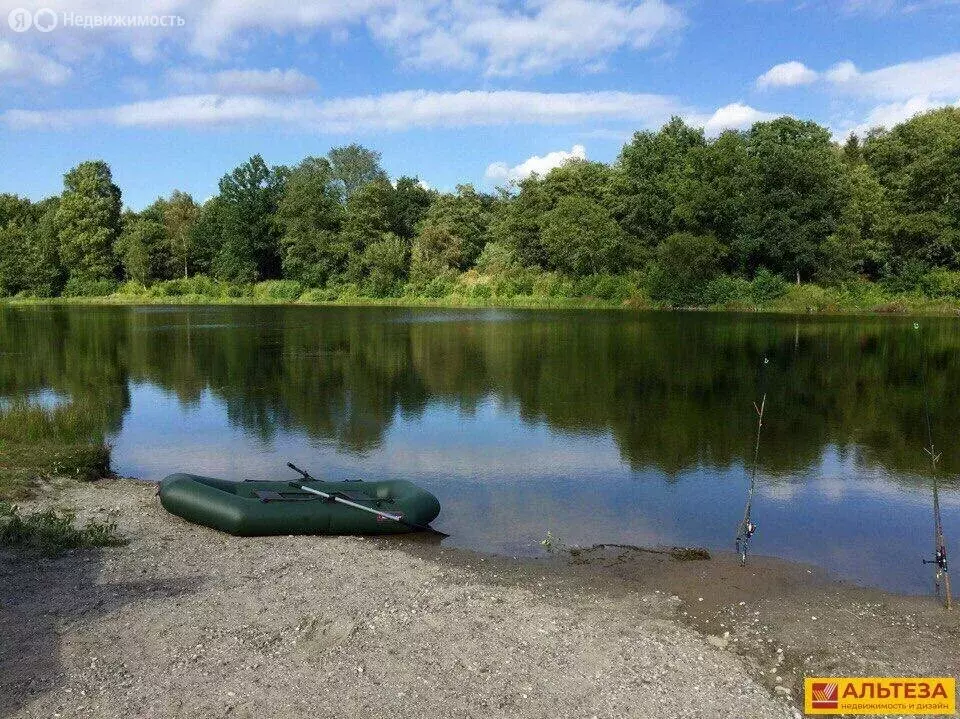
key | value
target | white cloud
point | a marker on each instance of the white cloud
(532, 36)
(890, 114)
(842, 72)
(392, 111)
(74, 42)
(903, 90)
(400, 111)
(501, 172)
(787, 74)
(735, 116)
(244, 82)
(217, 22)
(24, 66)
(499, 38)
(537, 36)
(935, 77)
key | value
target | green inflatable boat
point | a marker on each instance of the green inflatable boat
(249, 509)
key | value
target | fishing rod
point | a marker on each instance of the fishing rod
(333, 497)
(746, 528)
(941, 571)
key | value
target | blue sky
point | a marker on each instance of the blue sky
(174, 93)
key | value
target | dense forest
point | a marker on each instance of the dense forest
(679, 219)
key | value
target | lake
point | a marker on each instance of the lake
(596, 426)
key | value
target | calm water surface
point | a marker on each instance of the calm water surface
(596, 426)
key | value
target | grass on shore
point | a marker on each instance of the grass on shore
(22, 466)
(41, 444)
(38, 443)
(539, 291)
(50, 531)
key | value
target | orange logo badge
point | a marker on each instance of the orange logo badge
(880, 695)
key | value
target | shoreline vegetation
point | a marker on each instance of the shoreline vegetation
(857, 298)
(779, 218)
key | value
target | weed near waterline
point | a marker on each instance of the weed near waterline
(23, 464)
(50, 531)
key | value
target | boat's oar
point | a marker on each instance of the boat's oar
(385, 515)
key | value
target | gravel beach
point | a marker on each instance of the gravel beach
(187, 622)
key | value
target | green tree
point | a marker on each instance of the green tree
(715, 187)
(309, 215)
(14, 210)
(386, 262)
(43, 275)
(411, 202)
(250, 249)
(206, 235)
(142, 246)
(29, 258)
(797, 192)
(918, 164)
(436, 252)
(683, 267)
(88, 223)
(355, 166)
(463, 218)
(369, 215)
(12, 241)
(645, 177)
(580, 238)
(517, 221)
(180, 214)
(861, 243)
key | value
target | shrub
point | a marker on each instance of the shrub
(170, 288)
(552, 284)
(481, 290)
(132, 288)
(614, 287)
(347, 290)
(206, 286)
(496, 257)
(283, 290)
(809, 298)
(605, 287)
(904, 276)
(386, 264)
(236, 290)
(684, 266)
(321, 294)
(860, 293)
(941, 283)
(767, 286)
(77, 287)
(728, 289)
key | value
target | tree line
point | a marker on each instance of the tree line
(679, 216)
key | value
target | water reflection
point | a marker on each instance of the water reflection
(598, 426)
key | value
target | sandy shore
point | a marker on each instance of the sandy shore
(187, 622)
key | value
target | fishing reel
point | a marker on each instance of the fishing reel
(743, 539)
(940, 559)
